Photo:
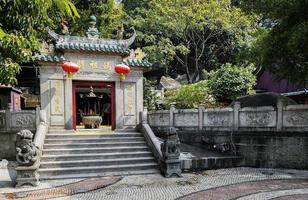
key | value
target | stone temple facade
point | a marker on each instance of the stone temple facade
(97, 59)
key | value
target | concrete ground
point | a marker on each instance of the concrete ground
(234, 183)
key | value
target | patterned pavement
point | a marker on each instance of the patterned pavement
(235, 183)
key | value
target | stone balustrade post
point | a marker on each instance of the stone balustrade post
(144, 117)
(37, 115)
(171, 163)
(8, 116)
(172, 109)
(200, 117)
(236, 112)
(279, 115)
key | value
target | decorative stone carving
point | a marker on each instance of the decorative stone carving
(27, 155)
(258, 119)
(218, 119)
(171, 164)
(24, 120)
(26, 152)
(300, 118)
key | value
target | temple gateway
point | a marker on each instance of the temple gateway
(95, 95)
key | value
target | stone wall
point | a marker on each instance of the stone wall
(262, 136)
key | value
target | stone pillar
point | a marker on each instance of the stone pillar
(279, 115)
(171, 163)
(68, 103)
(8, 118)
(144, 116)
(172, 109)
(200, 118)
(236, 110)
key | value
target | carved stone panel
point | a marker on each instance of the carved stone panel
(218, 119)
(257, 119)
(295, 118)
(159, 119)
(57, 98)
(129, 99)
(186, 119)
(23, 120)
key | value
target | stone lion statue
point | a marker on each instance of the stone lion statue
(26, 151)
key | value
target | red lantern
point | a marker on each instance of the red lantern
(70, 68)
(123, 70)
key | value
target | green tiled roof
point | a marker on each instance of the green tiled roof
(94, 47)
(47, 58)
(137, 63)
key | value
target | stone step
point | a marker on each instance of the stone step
(96, 136)
(97, 169)
(92, 156)
(94, 150)
(94, 140)
(89, 175)
(96, 162)
(93, 145)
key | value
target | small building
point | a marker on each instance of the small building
(66, 100)
(10, 95)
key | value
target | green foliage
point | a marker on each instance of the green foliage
(284, 47)
(150, 99)
(231, 81)
(22, 23)
(191, 36)
(109, 17)
(191, 96)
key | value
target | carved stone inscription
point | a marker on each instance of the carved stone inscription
(299, 118)
(57, 98)
(129, 99)
(218, 119)
(257, 119)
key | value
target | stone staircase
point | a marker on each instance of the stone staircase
(69, 155)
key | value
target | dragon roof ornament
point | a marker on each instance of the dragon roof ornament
(67, 39)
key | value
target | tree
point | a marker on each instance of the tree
(109, 16)
(22, 22)
(231, 81)
(283, 48)
(191, 36)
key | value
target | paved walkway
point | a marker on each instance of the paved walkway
(233, 183)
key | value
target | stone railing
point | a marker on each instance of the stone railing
(290, 118)
(166, 152)
(29, 151)
(11, 121)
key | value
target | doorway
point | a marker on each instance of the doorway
(93, 105)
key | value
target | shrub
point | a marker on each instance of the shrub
(231, 81)
(190, 96)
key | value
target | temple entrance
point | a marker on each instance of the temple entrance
(93, 105)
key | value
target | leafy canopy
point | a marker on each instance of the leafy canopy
(191, 35)
(21, 23)
(284, 47)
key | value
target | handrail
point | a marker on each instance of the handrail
(152, 141)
